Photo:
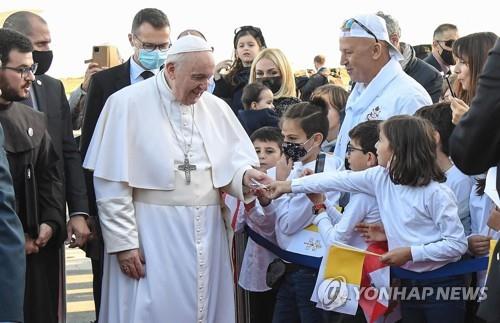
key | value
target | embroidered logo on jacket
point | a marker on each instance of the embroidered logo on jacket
(374, 114)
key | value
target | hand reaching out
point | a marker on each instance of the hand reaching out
(371, 232)
(283, 168)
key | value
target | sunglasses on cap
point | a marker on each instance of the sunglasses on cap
(448, 43)
(347, 25)
(245, 28)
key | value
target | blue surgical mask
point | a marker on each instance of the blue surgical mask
(152, 60)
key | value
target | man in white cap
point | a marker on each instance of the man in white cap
(162, 152)
(382, 88)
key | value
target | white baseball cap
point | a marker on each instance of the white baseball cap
(369, 26)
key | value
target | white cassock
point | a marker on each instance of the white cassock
(144, 202)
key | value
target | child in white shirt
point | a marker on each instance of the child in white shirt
(419, 214)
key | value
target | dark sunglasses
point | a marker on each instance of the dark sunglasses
(347, 25)
(448, 43)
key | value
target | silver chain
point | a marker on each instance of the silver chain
(187, 147)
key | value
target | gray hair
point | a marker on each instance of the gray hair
(20, 21)
(391, 23)
(176, 59)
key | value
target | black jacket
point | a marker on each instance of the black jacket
(51, 99)
(425, 74)
(102, 85)
(475, 147)
(431, 60)
(232, 93)
(13, 266)
(252, 120)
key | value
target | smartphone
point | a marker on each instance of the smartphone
(105, 56)
(320, 163)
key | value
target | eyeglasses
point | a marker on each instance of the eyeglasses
(149, 47)
(350, 149)
(448, 43)
(24, 71)
(347, 25)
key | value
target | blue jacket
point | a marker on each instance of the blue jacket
(12, 258)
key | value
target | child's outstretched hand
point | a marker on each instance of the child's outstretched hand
(397, 257)
(283, 168)
(371, 232)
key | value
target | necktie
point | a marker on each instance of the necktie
(147, 74)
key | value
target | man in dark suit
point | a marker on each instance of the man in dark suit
(441, 56)
(47, 95)
(150, 38)
(475, 147)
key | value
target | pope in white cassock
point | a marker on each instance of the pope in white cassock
(162, 152)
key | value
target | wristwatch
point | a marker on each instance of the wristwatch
(318, 208)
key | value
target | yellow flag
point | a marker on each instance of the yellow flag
(493, 244)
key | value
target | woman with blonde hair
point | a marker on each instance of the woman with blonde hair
(272, 68)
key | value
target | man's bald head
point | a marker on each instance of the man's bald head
(22, 21)
(32, 26)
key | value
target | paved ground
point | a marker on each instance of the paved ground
(79, 299)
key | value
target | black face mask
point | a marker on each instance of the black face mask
(294, 150)
(44, 60)
(272, 83)
(447, 56)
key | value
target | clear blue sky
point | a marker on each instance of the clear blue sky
(301, 29)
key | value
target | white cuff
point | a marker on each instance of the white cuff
(119, 229)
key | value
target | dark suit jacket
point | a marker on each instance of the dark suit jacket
(425, 74)
(13, 260)
(102, 85)
(475, 147)
(431, 60)
(51, 99)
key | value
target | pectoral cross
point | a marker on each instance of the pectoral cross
(186, 167)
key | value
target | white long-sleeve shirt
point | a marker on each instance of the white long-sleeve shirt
(422, 218)
(294, 211)
(361, 208)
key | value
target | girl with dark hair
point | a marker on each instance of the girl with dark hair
(304, 127)
(248, 42)
(419, 213)
(471, 52)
